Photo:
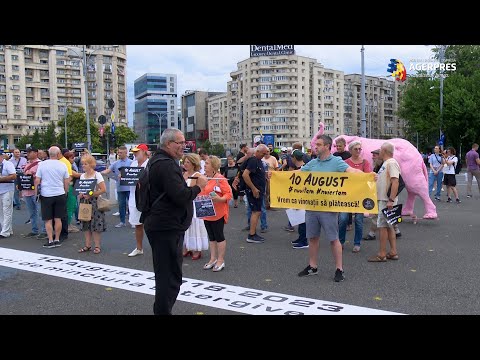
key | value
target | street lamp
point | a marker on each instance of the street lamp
(159, 116)
(84, 59)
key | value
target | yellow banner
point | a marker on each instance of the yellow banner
(324, 191)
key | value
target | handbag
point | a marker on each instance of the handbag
(85, 211)
(103, 204)
(401, 186)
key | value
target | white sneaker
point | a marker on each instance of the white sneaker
(119, 225)
(116, 214)
(133, 226)
(136, 252)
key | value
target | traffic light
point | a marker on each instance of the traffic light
(392, 66)
(111, 103)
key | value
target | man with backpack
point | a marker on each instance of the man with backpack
(166, 203)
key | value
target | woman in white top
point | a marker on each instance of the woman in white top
(97, 224)
(449, 174)
(196, 237)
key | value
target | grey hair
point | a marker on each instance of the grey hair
(53, 151)
(168, 135)
(261, 147)
(388, 147)
(354, 143)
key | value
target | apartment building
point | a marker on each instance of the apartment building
(155, 106)
(218, 119)
(39, 82)
(382, 99)
(284, 97)
(195, 117)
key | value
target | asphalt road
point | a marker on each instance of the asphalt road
(437, 272)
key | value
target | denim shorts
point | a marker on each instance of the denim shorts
(316, 220)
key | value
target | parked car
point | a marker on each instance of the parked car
(101, 161)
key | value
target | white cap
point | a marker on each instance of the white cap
(284, 148)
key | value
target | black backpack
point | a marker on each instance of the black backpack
(142, 190)
(458, 166)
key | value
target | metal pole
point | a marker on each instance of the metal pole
(65, 117)
(89, 139)
(441, 58)
(363, 127)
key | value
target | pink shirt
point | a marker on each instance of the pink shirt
(365, 166)
(30, 170)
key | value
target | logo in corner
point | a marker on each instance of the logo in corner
(397, 69)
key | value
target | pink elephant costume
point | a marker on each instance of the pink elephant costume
(413, 169)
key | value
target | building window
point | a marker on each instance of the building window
(15, 57)
(15, 77)
(15, 68)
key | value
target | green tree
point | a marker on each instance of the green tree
(207, 145)
(23, 141)
(77, 130)
(123, 135)
(49, 137)
(460, 119)
(217, 150)
(36, 139)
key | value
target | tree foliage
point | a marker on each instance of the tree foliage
(460, 120)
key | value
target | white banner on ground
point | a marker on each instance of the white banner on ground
(220, 296)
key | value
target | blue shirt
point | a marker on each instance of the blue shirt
(436, 161)
(115, 168)
(330, 164)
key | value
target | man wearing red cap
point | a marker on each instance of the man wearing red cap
(141, 160)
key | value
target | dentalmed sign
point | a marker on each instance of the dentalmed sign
(271, 50)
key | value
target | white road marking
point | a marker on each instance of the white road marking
(220, 296)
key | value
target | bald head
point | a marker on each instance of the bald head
(54, 152)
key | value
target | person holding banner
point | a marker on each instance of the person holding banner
(220, 192)
(316, 220)
(141, 160)
(388, 175)
(97, 224)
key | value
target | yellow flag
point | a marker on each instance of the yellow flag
(324, 191)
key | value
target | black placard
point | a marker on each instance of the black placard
(394, 215)
(203, 207)
(129, 175)
(85, 186)
(79, 146)
(25, 182)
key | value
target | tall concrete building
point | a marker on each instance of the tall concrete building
(282, 98)
(38, 83)
(155, 106)
(218, 119)
(195, 115)
(382, 99)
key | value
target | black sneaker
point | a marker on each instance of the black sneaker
(42, 236)
(458, 201)
(296, 241)
(369, 237)
(339, 276)
(398, 235)
(289, 228)
(49, 245)
(255, 239)
(28, 221)
(57, 243)
(469, 196)
(300, 245)
(449, 200)
(308, 271)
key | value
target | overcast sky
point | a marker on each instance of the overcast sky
(207, 67)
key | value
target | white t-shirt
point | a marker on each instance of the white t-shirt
(450, 169)
(202, 167)
(97, 176)
(391, 168)
(7, 169)
(131, 199)
(112, 158)
(52, 173)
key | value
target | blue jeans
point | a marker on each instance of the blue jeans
(263, 215)
(342, 228)
(16, 198)
(122, 204)
(302, 233)
(35, 214)
(431, 180)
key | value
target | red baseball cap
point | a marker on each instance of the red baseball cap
(143, 147)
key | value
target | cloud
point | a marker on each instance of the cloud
(208, 67)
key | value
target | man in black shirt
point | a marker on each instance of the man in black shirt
(272, 152)
(255, 181)
(169, 217)
(340, 144)
(243, 151)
